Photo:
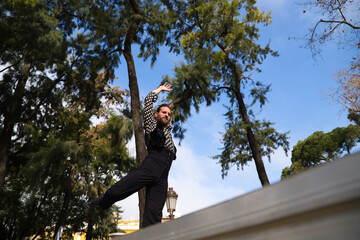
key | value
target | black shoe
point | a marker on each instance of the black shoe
(95, 202)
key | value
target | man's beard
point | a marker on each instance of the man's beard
(162, 122)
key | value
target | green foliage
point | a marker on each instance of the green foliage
(355, 117)
(47, 63)
(322, 147)
(112, 23)
(236, 150)
(195, 90)
(219, 40)
(56, 60)
(220, 47)
(42, 59)
(61, 168)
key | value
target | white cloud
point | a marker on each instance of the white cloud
(131, 147)
(197, 181)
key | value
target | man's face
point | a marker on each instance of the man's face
(163, 116)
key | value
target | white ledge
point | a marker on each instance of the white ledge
(320, 203)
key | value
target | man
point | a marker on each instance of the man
(153, 172)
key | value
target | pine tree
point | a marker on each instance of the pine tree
(221, 49)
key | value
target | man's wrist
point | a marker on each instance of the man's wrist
(157, 91)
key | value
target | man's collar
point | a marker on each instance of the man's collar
(168, 126)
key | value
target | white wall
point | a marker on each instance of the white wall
(320, 203)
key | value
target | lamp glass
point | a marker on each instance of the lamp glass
(168, 204)
(172, 202)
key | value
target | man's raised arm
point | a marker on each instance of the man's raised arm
(149, 118)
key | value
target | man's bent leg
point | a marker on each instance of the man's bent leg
(130, 184)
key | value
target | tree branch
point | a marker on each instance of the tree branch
(116, 50)
(339, 22)
(313, 31)
(62, 9)
(340, 10)
(11, 65)
(218, 88)
(177, 101)
(135, 7)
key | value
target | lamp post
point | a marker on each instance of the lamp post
(171, 199)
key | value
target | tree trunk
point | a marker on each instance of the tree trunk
(90, 226)
(5, 137)
(141, 151)
(37, 213)
(249, 133)
(64, 210)
(11, 113)
(252, 141)
(33, 215)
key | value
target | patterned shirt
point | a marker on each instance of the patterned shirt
(150, 122)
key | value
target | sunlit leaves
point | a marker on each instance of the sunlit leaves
(322, 147)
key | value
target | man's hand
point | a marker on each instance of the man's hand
(166, 87)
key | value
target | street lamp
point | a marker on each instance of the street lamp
(171, 199)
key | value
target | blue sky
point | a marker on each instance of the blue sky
(297, 104)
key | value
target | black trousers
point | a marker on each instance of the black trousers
(152, 174)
